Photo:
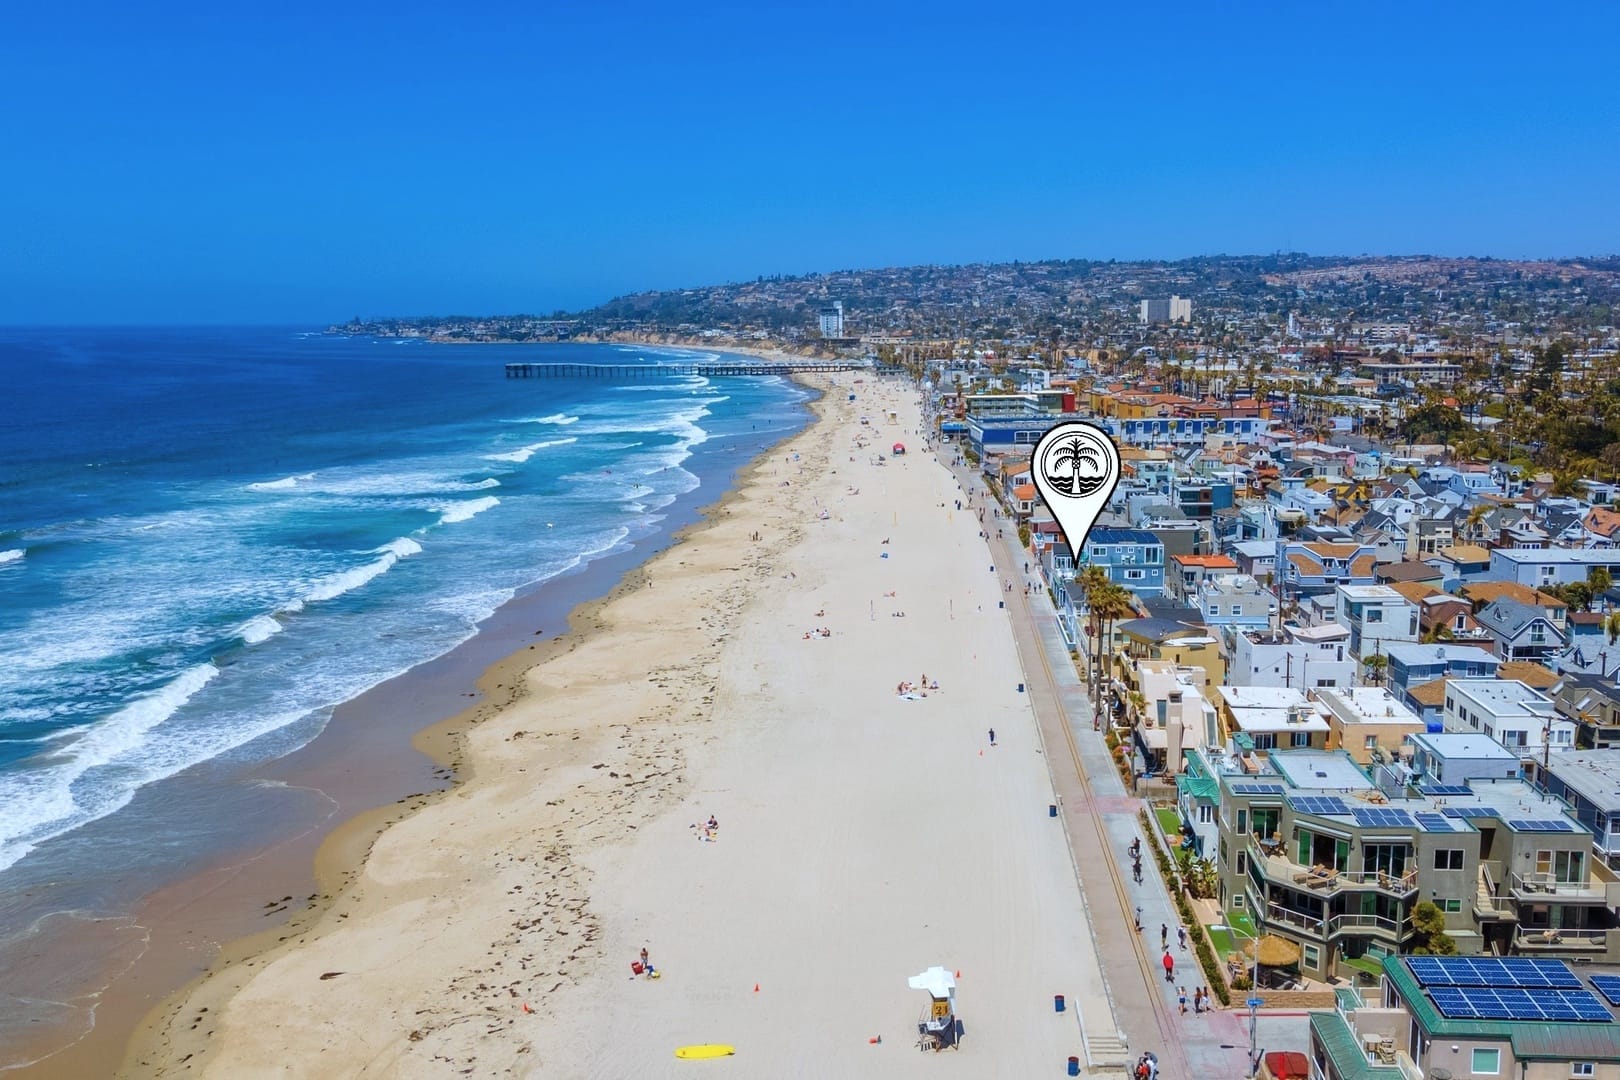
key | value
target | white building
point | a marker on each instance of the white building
(1180, 309)
(1515, 715)
(1305, 657)
(1175, 309)
(832, 320)
(1377, 616)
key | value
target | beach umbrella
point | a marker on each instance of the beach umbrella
(1274, 951)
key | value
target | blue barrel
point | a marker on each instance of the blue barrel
(1057, 1003)
(1051, 810)
(1074, 1065)
(1020, 688)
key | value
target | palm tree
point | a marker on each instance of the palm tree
(1091, 581)
(1114, 602)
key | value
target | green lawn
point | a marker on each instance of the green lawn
(1169, 823)
(1224, 941)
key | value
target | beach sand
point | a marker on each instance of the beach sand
(863, 837)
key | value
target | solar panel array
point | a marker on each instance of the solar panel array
(1516, 972)
(1527, 825)
(1258, 789)
(1487, 1003)
(1608, 986)
(1319, 804)
(1434, 822)
(1469, 811)
(1378, 816)
(1445, 789)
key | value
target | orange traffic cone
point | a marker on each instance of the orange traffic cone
(958, 974)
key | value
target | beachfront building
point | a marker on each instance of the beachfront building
(1185, 644)
(1322, 856)
(1450, 1018)
(1166, 711)
(1294, 655)
(831, 320)
(1368, 723)
(1133, 558)
(1520, 718)
(1376, 616)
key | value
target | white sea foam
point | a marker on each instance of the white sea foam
(350, 580)
(42, 803)
(286, 483)
(523, 454)
(484, 484)
(554, 418)
(259, 628)
(15, 555)
(461, 511)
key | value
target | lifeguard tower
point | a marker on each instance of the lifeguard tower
(938, 1027)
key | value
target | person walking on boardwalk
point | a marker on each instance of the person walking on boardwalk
(1181, 932)
(1181, 998)
(1169, 967)
(992, 736)
(1164, 937)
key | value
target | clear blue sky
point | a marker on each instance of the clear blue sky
(289, 163)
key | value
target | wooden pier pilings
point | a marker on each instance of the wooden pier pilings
(718, 369)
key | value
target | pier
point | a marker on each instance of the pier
(715, 369)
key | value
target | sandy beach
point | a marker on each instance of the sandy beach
(863, 836)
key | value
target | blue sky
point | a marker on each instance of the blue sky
(300, 163)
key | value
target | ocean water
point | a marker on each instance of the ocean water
(210, 538)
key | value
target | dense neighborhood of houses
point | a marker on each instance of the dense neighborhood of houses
(1362, 676)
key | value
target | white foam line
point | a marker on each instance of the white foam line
(461, 511)
(13, 556)
(350, 580)
(519, 456)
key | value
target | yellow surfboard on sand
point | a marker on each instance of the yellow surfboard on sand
(706, 1050)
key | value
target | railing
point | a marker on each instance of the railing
(1344, 924)
(1541, 886)
(1326, 882)
(1276, 913)
(1556, 939)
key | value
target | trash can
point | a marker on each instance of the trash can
(1057, 1003)
(1020, 688)
(1001, 603)
(1074, 1065)
(1051, 810)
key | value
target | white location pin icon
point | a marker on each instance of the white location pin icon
(1075, 467)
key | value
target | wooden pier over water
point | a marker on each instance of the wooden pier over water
(713, 369)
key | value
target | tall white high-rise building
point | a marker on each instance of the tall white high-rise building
(1180, 309)
(832, 320)
(1175, 309)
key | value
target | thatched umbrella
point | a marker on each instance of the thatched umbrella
(1274, 951)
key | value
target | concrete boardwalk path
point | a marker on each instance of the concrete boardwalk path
(1101, 819)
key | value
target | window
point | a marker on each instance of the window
(1453, 905)
(1243, 821)
(1374, 615)
(1312, 956)
(1582, 1068)
(1237, 900)
(1237, 609)
(1243, 862)
(1302, 738)
(1487, 1061)
(1448, 859)
(1371, 742)
(1206, 813)
(1133, 575)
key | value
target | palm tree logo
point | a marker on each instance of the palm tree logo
(1077, 465)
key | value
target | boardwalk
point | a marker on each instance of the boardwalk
(711, 369)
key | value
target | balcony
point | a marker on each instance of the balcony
(1394, 929)
(1548, 939)
(1321, 881)
(1546, 889)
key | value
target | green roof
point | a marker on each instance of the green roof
(1199, 787)
(1331, 1032)
(1530, 1038)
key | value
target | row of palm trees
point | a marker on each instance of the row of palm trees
(1106, 604)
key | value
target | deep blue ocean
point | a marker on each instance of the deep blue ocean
(209, 538)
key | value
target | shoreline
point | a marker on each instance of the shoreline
(343, 854)
(191, 927)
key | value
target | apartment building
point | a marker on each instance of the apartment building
(1520, 718)
(1189, 572)
(1541, 567)
(1590, 782)
(1236, 600)
(1368, 723)
(1377, 617)
(1133, 558)
(1317, 569)
(1293, 655)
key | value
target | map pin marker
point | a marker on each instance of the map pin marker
(1075, 468)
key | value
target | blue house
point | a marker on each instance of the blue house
(1133, 558)
(1413, 664)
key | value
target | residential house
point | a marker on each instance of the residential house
(1480, 593)
(1518, 717)
(1376, 616)
(1462, 564)
(1519, 631)
(1316, 569)
(1407, 571)
(1167, 712)
(1368, 722)
(1257, 558)
(1271, 718)
(1294, 655)
(1589, 780)
(1133, 558)
(1413, 664)
(1542, 567)
(1189, 572)
(1592, 702)
(1602, 527)
(1236, 600)
(1168, 639)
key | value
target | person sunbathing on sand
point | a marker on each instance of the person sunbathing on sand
(821, 614)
